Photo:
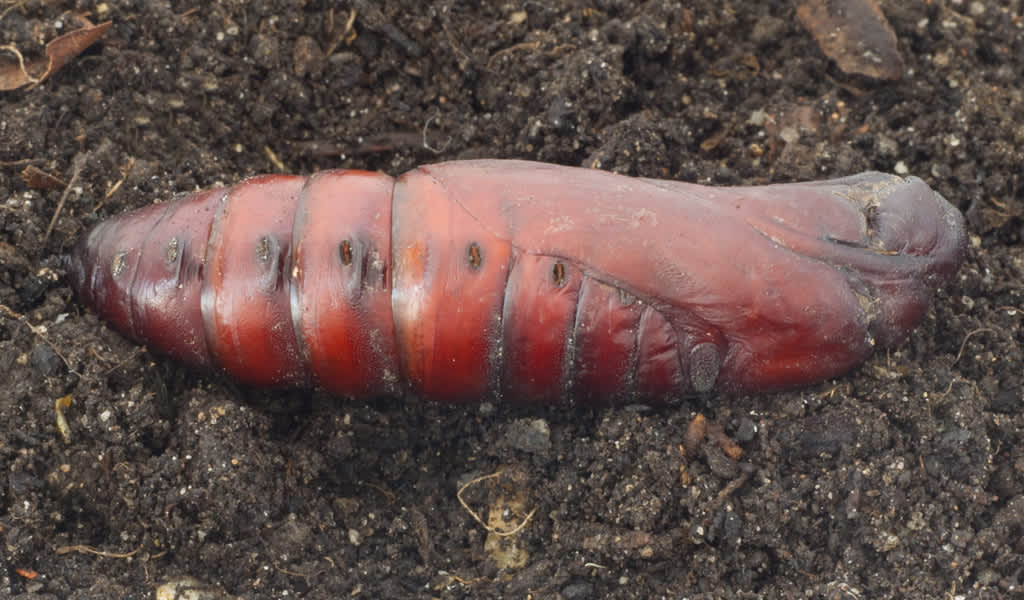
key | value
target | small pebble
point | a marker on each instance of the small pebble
(529, 435)
(721, 465)
(44, 360)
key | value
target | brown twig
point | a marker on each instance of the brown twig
(21, 161)
(124, 175)
(76, 170)
(83, 549)
(272, 156)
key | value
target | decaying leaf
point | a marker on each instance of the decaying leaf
(38, 179)
(16, 72)
(855, 34)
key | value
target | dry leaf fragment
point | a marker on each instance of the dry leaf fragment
(15, 73)
(855, 34)
(38, 179)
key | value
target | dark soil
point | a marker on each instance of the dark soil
(904, 479)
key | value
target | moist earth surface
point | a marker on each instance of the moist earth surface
(903, 479)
